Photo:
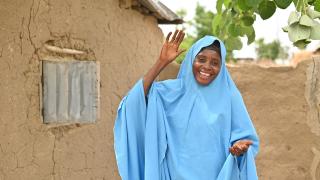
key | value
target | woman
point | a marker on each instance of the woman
(195, 127)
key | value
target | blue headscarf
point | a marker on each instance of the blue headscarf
(185, 129)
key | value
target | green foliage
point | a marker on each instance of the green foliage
(235, 19)
(283, 4)
(266, 9)
(203, 24)
(182, 12)
(272, 50)
(303, 26)
(239, 16)
(186, 44)
(298, 32)
(316, 5)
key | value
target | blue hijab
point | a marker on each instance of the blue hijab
(184, 130)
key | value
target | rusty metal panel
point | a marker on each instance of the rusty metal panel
(70, 92)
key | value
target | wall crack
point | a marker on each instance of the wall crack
(315, 163)
(312, 96)
(53, 159)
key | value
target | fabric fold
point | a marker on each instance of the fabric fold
(234, 170)
(184, 130)
(129, 134)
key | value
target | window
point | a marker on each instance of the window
(70, 91)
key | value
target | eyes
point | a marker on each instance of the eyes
(203, 60)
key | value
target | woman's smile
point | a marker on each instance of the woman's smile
(206, 66)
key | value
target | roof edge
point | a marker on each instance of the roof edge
(161, 12)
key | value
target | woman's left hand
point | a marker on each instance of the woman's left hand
(240, 147)
(170, 49)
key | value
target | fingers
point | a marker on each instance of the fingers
(231, 151)
(174, 36)
(181, 38)
(177, 37)
(235, 151)
(180, 34)
(247, 142)
(168, 37)
(240, 147)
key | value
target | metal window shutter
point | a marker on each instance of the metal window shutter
(69, 91)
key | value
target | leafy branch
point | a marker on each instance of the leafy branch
(235, 18)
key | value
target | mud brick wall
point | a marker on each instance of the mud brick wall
(124, 41)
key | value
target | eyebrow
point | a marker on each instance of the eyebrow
(199, 55)
(203, 56)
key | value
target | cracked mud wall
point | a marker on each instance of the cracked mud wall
(276, 101)
(284, 105)
(313, 95)
(124, 42)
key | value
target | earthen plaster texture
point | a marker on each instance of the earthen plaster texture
(124, 41)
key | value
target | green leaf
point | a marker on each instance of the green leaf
(216, 22)
(244, 30)
(315, 32)
(312, 13)
(310, 2)
(219, 5)
(233, 30)
(236, 30)
(247, 20)
(293, 17)
(299, 4)
(226, 3)
(233, 43)
(266, 9)
(298, 32)
(251, 37)
(283, 4)
(306, 21)
(237, 44)
(242, 5)
(301, 44)
(285, 29)
(317, 5)
(253, 3)
(247, 30)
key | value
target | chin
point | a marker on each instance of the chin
(204, 82)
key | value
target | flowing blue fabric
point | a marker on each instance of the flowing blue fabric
(184, 130)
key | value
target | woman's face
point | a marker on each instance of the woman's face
(206, 66)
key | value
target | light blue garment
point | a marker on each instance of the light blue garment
(184, 130)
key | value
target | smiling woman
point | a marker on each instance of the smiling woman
(207, 64)
(193, 127)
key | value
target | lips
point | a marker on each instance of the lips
(204, 75)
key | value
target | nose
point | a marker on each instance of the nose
(207, 66)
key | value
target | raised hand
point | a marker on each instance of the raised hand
(240, 147)
(170, 49)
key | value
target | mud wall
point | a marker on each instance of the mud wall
(124, 42)
(284, 104)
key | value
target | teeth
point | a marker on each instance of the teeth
(205, 74)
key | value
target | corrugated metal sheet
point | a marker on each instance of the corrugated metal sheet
(70, 91)
(162, 12)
